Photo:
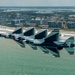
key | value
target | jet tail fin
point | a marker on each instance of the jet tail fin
(29, 32)
(41, 34)
(70, 43)
(18, 31)
(53, 36)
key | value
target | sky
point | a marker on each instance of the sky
(37, 2)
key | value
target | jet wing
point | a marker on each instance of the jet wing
(44, 49)
(53, 50)
(32, 46)
(21, 43)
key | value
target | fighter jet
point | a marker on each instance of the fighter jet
(30, 35)
(51, 43)
(48, 43)
(19, 38)
(40, 35)
(17, 31)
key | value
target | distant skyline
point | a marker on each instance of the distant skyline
(37, 2)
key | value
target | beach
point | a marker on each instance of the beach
(6, 29)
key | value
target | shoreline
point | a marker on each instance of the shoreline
(11, 29)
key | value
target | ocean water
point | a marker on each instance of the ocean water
(15, 60)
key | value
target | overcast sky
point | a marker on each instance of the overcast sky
(37, 2)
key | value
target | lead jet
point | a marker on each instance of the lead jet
(20, 37)
(17, 31)
(52, 44)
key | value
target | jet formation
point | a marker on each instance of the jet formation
(48, 43)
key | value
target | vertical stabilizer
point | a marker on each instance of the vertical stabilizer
(41, 34)
(53, 36)
(18, 31)
(29, 32)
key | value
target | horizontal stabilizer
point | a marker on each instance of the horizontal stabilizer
(41, 34)
(70, 50)
(29, 32)
(70, 43)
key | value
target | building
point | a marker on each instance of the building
(70, 24)
(36, 22)
(17, 22)
(55, 24)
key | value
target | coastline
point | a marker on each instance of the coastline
(11, 29)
